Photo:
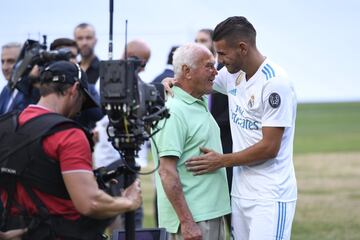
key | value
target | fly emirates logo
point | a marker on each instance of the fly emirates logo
(238, 118)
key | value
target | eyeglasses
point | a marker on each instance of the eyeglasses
(142, 62)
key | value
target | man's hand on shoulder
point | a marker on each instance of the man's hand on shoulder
(168, 84)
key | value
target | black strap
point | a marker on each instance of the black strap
(42, 210)
(37, 127)
(33, 129)
(10, 189)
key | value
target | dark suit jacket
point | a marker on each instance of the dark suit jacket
(166, 73)
(93, 71)
(220, 110)
(19, 103)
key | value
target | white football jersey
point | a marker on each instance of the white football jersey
(267, 99)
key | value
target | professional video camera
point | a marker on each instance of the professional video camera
(133, 106)
(33, 53)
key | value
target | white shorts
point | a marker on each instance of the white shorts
(261, 219)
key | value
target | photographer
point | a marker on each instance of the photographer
(54, 194)
(68, 43)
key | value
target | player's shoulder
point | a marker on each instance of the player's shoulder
(271, 71)
(274, 75)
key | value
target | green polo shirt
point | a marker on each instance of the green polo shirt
(190, 127)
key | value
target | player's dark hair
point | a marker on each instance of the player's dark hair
(234, 29)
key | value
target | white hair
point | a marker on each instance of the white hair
(11, 45)
(187, 55)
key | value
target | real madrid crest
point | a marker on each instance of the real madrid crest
(239, 78)
(251, 101)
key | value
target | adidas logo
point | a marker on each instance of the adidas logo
(233, 91)
(268, 71)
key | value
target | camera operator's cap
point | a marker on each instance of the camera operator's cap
(68, 72)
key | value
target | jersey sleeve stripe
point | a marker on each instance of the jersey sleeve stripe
(265, 73)
(268, 71)
(271, 69)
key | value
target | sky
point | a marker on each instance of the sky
(316, 42)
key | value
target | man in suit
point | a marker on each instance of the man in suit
(169, 71)
(10, 99)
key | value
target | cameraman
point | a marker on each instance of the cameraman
(88, 117)
(82, 210)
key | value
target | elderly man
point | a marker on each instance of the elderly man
(190, 207)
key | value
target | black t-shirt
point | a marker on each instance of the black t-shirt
(93, 71)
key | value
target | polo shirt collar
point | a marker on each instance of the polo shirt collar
(186, 97)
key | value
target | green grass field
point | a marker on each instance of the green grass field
(328, 206)
(333, 127)
(327, 164)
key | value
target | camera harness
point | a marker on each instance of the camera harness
(24, 161)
